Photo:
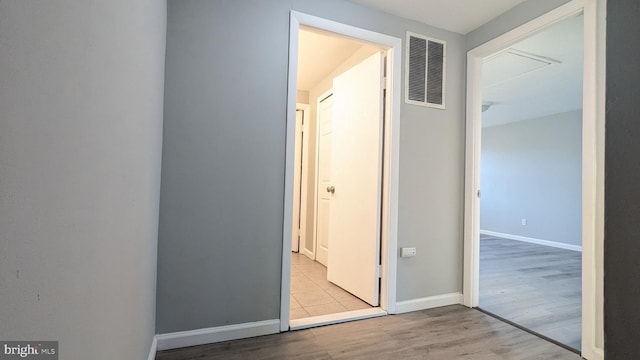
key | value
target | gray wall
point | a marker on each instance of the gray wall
(622, 193)
(80, 145)
(510, 20)
(532, 170)
(220, 240)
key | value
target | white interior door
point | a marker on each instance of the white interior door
(355, 175)
(325, 129)
(297, 183)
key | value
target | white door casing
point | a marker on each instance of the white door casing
(391, 171)
(594, 13)
(325, 123)
(297, 178)
(304, 178)
(356, 169)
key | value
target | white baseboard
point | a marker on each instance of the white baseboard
(598, 354)
(532, 240)
(306, 252)
(428, 302)
(216, 334)
(154, 349)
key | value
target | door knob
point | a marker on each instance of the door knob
(331, 189)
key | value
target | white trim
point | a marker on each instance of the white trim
(598, 246)
(313, 254)
(390, 176)
(304, 178)
(473, 135)
(216, 334)
(292, 95)
(596, 354)
(297, 183)
(471, 247)
(428, 302)
(306, 252)
(594, 100)
(592, 163)
(554, 244)
(153, 349)
(315, 321)
(389, 238)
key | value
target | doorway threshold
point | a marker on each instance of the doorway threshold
(532, 332)
(337, 318)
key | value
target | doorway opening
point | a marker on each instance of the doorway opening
(532, 234)
(531, 174)
(341, 176)
(341, 81)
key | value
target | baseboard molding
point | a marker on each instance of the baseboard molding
(307, 253)
(532, 240)
(428, 302)
(216, 334)
(154, 349)
(598, 354)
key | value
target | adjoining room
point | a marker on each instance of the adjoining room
(531, 173)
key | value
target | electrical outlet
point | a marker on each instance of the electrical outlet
(524, 222)
(408, 252)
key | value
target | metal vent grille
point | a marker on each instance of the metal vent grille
(425, 73)
(435, 73)
(417, 68)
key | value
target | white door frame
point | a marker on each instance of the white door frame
(297, 176)
(592, 162)
(304, 187)
(300, 179)
(389, 225)
(316, 185)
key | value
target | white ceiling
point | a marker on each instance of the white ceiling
(319, 53)
(461, 16)
(543, 91)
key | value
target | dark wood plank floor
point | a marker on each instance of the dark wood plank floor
(452, 332)
(535, 286)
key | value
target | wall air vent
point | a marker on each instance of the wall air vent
(425, 71)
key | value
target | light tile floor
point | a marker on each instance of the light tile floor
(313, 295)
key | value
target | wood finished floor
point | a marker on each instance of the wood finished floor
(452, 332)
(313, 295)
(535, 286)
